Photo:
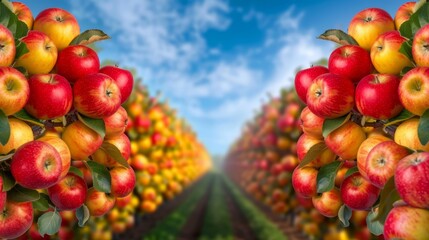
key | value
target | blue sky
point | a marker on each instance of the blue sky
(215, 60)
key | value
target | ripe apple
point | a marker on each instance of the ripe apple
(365, 148)
(403, 13)
(23, 13)
(139, 162)
(305, 143)
(311, 124)
(412, 90)
(358, 193)
(60, 25)
(123, 181)
(345, 140)
(14, 90)
(81, 140)
(16, 219)
(331, 96)
(98, 203)
(350, 61)
(385, 53)
(406, 222)
(289, 162)
(412, 179)
(50, 96)
(54, 139)
(368, 24)
(328, 203)
(36, 165)
(122, 142)
(420, 46)
(305, 77)
(3, 195)
(69, 193)
(123, 78)
(20, 133)
(77, 61)
(96, 95)
(7, 47)
(304, 181)
(382, 160)
(406, 135)
(377, 96)
(341, 174)
(116, 123)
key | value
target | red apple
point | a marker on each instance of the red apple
(358, 193)
(142, 123)
(16, 219)
(350, 61)
(331, 96)
(123, 78)
(365, 148)
(304, 181)
(412, 179)
(305, 77)
(69, 193)
(413, 90)
(77, 61)
(406, 222)
(404, 13)
(14, 90)
(116, 123)
(50, 96)
(36, 165)
(311, 124)
(328, 203)
(305, 143)
(345, 140)
(99, 203)
(54, 139)
(7, 47)
(420, 46)
(289, 162)
(23, 13)
(96, 96)
(377, 96)
(3, 195)
(122, 143)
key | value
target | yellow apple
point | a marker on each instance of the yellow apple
(20, 133)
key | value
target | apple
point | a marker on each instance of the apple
(412, 179)
(142, 123)
(148, 206)
(412, 90)
(345, 140)
(420, 46)
(406, 222)
(305, 143)
(20, 133)
(358, 193)
(3, 195)
(42, 54)
(328, 203)
(403, 13)
(289, 162)
(77, 61)
(122, 202)
(69, 193)
(16, 219)
(81, 140)
(123, 181)
(122, 143)
(305, 77)
(385, 54)
(98, 203)
(377, 96)
(53, 138)
(7, 47)
(96, 95)
(364, 149)
(406, 135)
(116, 123)
(60, 25)
(304, 181)
(382, 160)
(368, 24)
(50, 96)
(14, 90)
(331, 96)
(311, 124)
(350, 61)
(341, 174)
(23, 13)
(123, 78)
(139, 162)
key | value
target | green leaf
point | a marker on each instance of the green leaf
(42, 204)
(423, 129)
(4, 128)
(114, 152)
(100, 176)
(406, 49)
(338, 36)
(351, 171)
(82, 215)
(21, 30)
(11, 21)
(375, 227)
(330, 125)
(8, 181)
(344, 215)
(89, 36)
(21, 194)
(49, 223)
(388, 196)
(313, 153)
(404, 115)
(95, 124)
(326, 176)
(21, 49)
(405, 70)
(26, 117)
(8, 4)
(417, 20)
(76, 171)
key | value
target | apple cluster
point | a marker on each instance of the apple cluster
(365, 145)
(60, 116)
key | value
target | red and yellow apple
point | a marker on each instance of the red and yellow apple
(7, 47)
(14, 90)
(305, 77)
(345, 140)
(20, 133)
(77, 61)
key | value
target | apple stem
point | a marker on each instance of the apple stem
(417, 161)
(59, 19)
(9, 85)
(376, 80)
